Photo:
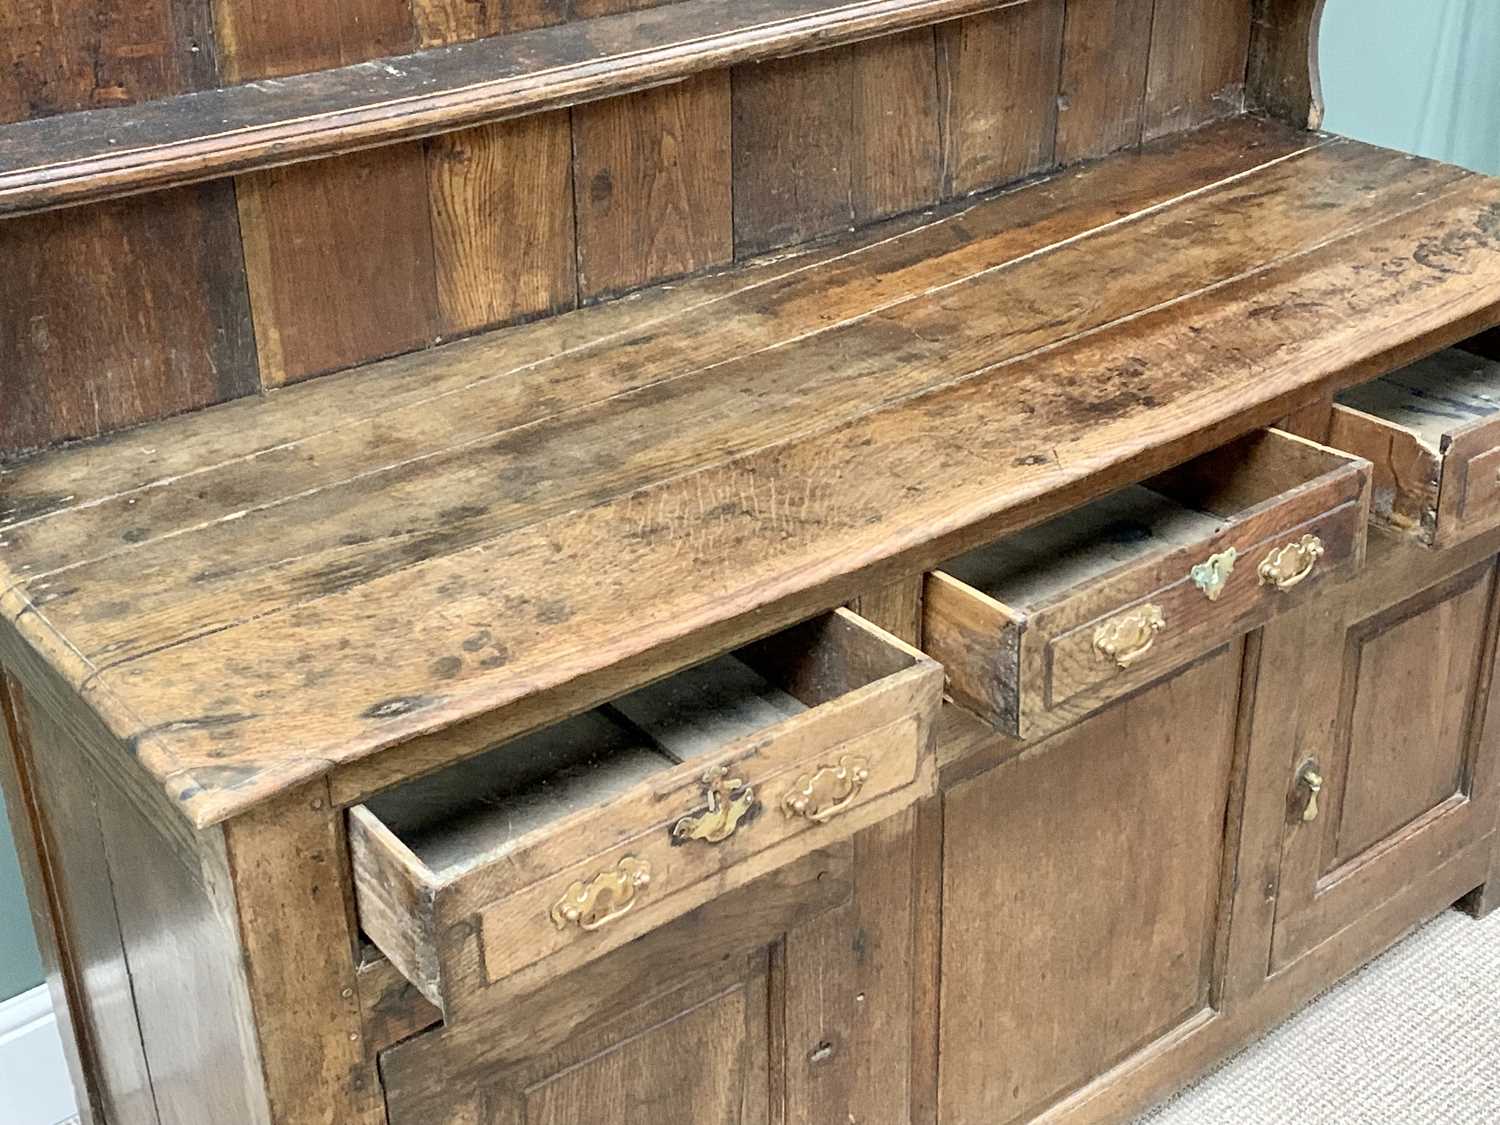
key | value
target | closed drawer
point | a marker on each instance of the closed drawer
(1432, 431)
(539, 855)
(1042, 627)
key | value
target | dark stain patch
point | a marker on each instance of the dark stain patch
(446, 667)
(497, 659)
(1031, 459)
(601, 187)
(217, 722)
(135, 535)
(554, 611)
(476, 641)
(14, 509)
(1286, 309)
(460, 512)
(224, 777)
(397, 706)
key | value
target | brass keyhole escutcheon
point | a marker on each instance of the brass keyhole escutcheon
(1213, 573)
(730, 800)
(1310, 782)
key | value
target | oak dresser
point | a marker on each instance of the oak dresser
(601, 562)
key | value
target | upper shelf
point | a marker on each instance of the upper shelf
(521, 525)
(95, 154)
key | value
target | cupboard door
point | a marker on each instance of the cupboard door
(788, 1001)
(1082, 891)
(1387, 780)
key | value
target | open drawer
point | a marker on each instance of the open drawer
(539, 855)
(1432, 431)
(1042, 627)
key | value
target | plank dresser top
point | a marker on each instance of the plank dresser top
(528, 522)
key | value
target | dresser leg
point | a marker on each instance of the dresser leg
(291, 889)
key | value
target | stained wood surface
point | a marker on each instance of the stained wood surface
(778, 443)
(1394, 674)
(121, 313)
(94, 154)
(1081, 889)
(998, 76)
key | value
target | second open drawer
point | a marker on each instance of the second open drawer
(1432, 431)
(537, 856)
(1040, 628)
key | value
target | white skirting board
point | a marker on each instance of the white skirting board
(33, 1072)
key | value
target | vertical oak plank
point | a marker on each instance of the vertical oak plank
(1106, 52)
(1282, 77)
(116, 1086)
(63, 55)
(339, 251)
(44, 897)
(127, 311)
(501, 195)
(652, 174)
(791, 169)
(998, 76)
(289, 867)
(896, 149)
(1199, 51)
(502, 221)
(119, 313)
(849, 1040)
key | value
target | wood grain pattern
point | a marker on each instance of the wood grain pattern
(58, 56)
(456, 1063)
(42, 883)
(502, 222)
(1104, 847)
(1105, 60)
(121, 313)
(1283, 76)
(307, 116)
(1395, 811)
(367, 474)
(998, 77)
(895, 152)
(339, 255)
(791, 171)
(864, 144)
(289, 869)
(652, 179)
(1199, 52)
(976, 401)
(501, 194)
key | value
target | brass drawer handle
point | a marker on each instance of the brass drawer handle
(1290, 564)
(1128, 637)
(1212, 574)
(730, 800)
(605, 897)
(823, 794)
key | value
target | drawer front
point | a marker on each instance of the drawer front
(1439, 493)
(502, 916)
(1123, 645)
(1469, 493)
(660, 874)
(1290, 519)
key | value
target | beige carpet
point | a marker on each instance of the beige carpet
(1413, 1038)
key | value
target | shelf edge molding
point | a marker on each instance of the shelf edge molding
(91, 155)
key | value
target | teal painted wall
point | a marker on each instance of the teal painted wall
(1420, 75)
(20, 967)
